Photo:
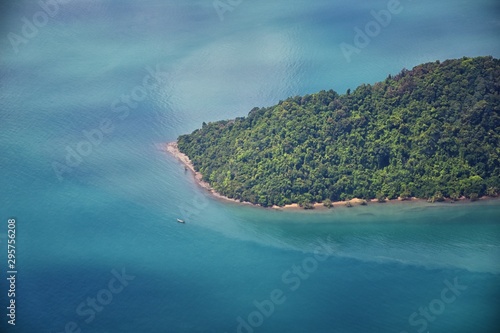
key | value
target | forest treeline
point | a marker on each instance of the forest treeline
(430, 132)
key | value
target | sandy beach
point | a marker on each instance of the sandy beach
(171, 148)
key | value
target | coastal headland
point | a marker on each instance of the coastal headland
(171, 148)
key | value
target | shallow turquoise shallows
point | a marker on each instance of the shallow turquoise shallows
(89, 93)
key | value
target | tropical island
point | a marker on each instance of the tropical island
(432, 133)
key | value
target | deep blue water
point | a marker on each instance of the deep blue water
(114, 210)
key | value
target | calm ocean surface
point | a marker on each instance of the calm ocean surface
(83, 220)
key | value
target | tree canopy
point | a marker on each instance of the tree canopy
(429, 132)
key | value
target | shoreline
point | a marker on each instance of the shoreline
(172, 148)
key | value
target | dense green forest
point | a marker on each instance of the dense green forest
(429, 132)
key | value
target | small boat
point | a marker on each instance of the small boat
(180, 221)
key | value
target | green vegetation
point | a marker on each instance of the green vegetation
(327, 203)
(431, 132)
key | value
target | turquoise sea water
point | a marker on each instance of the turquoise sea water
(112, 211)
